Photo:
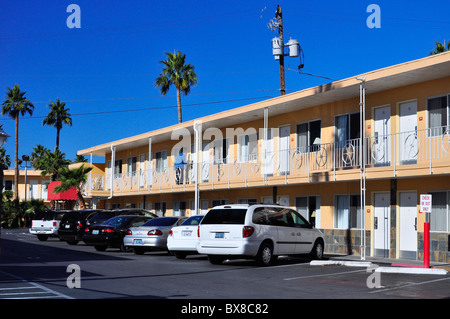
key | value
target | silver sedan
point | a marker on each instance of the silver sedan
(152, 235)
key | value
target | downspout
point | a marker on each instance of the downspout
(111, 179)
(197, 125)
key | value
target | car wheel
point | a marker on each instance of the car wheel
(72, 242)
(125, 248)
(215, 260)
(42, 237)
(180, 255)
(138, 251)
(317, 251)
(100, 248)
(265, 255)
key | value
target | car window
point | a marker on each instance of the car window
(281, 217)
(262, 215)
(162, 221)
(192, 221)
(233, 216)
(138, 222)
(298, 220)
(117, 221)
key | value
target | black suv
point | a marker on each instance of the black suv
(72, 225)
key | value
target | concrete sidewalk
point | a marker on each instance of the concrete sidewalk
(384, 265)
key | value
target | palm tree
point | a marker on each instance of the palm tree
(16, 104)
(176, 72)
(5, 162)
(440, 48)
(58, 116)
(75, 177)
(52, 163)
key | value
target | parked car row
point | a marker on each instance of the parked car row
(259, 231)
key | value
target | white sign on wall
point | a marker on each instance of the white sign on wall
(425, 203)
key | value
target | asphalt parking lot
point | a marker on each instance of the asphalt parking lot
(33, 269)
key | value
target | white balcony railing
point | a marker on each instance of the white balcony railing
(427, 148)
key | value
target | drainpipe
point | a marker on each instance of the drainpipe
(197, 131)
(113, 158)
(362, 155)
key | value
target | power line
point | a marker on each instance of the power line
(148, 108)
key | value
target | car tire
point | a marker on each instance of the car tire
(180, 255)
(138, 251)
(125, 248)
(42, 237)
(72, 242)
(265, 255)
(215, 260)
(100, 248)
(318, 249)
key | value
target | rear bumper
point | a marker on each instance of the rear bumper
(50, 231)
(100, 240)
(151, 242)
(246, 248)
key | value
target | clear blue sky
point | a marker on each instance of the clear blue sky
(110, 63)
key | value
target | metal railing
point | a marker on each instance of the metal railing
(428, 147)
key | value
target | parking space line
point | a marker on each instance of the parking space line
(326, 275)
(33, 285)
(409, 285)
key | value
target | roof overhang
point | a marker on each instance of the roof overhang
(421, 70)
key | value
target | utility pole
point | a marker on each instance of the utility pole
(279, 16)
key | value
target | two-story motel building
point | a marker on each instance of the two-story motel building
(309, 150)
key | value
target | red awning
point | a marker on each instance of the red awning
(70, 194)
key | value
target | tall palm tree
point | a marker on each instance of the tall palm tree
(16, 104)
(5, 162)
(58, 116)
(52, 163)
(176, 72)
(75, 177)
(440, 47)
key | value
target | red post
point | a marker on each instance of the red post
(426, 245)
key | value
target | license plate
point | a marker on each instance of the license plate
(95, 232)
(67, 226)
(186, 233)
(137, 242)
(220, 235)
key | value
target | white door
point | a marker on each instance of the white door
(408, 225)
(283, 201)
(141, 170)
(408, 144)
(381, 146)
(269, 154)
(382, 225)
(285, 136)
(33, 190)
(205, 162)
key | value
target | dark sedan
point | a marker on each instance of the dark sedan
(72, 225)
(111, 232)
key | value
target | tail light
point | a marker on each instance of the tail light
(54, 224)
(198, 231)
(80, 226)
(247, 231)
(108, 231)
(86, 230)
(170, 233)
(154, 232)
(129, 232)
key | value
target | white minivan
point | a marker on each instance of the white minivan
(259, 231)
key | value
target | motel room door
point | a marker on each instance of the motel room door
(285, 136)
(408, 142)
(408, 225)
(382, 225)
(381, 146)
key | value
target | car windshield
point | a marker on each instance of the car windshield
(162, 221)
(192, 221)
(225, 216)
(117, 221)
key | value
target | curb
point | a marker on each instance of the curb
(376, 268)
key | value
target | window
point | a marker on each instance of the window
(118, 167)
(298, 220)
(347, 128)
(8, 185)
(309, 208)
(233, 216)
(440, 215)
(160, 208)
(219, 202)
(179, 208)
(220, 151)
(248, 147)
(161, 161)
(308, 136)
(438, 115)
(131, 166)
(347, 211)
(247, 201)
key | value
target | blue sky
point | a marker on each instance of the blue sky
(105, 70)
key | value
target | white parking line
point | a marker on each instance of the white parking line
(325, 275)
(409, 285)
(32, 285)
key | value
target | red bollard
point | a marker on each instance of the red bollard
(426, 245)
